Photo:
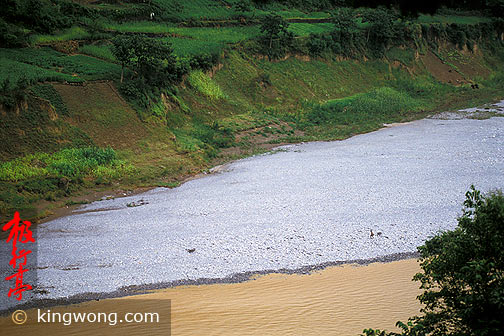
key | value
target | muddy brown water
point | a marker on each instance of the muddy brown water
(335, 301)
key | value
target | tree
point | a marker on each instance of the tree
(277, 38)
(123, 50)
(343, 19)
(463, 274)
(345, 32)
(381, 29)
(151, 59)
(243, 6)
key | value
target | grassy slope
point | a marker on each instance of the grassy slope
(290, 107)
(247, 105)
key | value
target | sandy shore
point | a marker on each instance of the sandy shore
(338, 300)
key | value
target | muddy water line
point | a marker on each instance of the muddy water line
(335, 301)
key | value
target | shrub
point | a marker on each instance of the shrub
(214, 135)
(11, 35)
(151, 59)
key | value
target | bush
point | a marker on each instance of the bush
(203, 61)
(150, 59)
(320, 43)
(11, 35)
(48, 92)
(43, 16)
(372, 107)
(214, 135)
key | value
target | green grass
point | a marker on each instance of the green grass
(47, 92)
(90, 68)
(73, 33)
(195, 41)
(375, 107)
(100, 51)
(222, 34)
(184, 47)
(39, 176)
(205, 85)
(319, 80)
(71, 163)
(405, 56)
(213, 34)
(14, 71)
(297, 14)
(44, 62)
(448, 19)
(139, 27)
(305, 29)
(186, 42)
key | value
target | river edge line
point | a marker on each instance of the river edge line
(235, 278)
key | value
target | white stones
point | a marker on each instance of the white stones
(310, 204)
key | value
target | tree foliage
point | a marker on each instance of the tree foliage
(150, 59)
(463, 274)
(153, 68)
(382, 28)
(343, 19)
(243, 6)
(276, 38)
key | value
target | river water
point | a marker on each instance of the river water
(305, 204)
(335, 301)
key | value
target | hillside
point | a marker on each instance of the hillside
(228, 90)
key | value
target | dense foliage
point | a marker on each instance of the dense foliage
(20, 17)
(463, 274)
(150, 59)
(153, 67)
(407, 7)
(276, 39)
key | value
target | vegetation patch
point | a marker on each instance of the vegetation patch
(205, 85)
(48, 92)
(102, 51)
(376, 106)
(51, 176)
(73, 33)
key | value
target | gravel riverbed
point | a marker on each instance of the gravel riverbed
(306, 204)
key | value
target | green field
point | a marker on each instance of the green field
(103, 51)
(47, 64)
(12, 72)
(305, 29)
(73, 33)
(448, 19)
(140, 27)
